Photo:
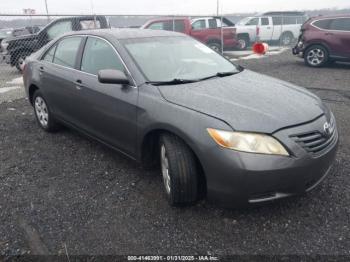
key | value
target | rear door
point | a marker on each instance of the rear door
(339, 37)
(266, 29)
(58, 77)
(199, 30)
(107, 111)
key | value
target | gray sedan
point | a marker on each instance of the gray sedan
(164, 99)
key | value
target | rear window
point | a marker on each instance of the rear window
(323, 24)
(90, 24)
(342, 24)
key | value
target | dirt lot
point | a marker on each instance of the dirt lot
(62, 193)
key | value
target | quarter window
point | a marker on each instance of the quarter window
(341, 24)
(59, 29)
(66, 52)
(99, 55)
(323, 24)
(49, 55)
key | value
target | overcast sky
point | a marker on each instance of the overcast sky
(199, 7)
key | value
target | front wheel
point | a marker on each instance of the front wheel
(316, 56)
(179, 170)
(43, 114)
(286, 39)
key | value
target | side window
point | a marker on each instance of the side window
(277, 20)
(265, 21)
(290, 20)
(90, 24)
(158, 26)
(59, 29)
(254, 21)
(341, 24)
(98, 55)
(323, 24)
(180, 26)
(200, 24)
(49, 54)
(212, 24)
(66, 52)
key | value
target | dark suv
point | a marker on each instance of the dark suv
(16, 49)
(324, 39)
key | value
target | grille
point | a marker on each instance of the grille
(316, 142)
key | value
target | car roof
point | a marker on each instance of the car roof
(127, 33)
(329, 17)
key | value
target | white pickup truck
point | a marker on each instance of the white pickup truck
(281, 28)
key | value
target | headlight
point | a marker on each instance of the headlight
(248, 142)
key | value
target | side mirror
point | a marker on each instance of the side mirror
(111, 76)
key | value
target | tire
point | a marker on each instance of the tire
(179, 170)
(286, 39)
(215, 46)
(43, 114)
(316, 56)
(243, 42)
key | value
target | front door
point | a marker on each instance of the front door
(107, 111)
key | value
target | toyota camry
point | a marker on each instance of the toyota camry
(213, 128)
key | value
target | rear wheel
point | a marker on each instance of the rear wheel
(43, 114)
(215, 46)
(316, 56)
(243, 42)
(179, 170)
(286, 39)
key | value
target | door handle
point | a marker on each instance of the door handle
(328, 33)
(78, 84)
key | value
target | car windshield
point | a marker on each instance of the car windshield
(167, 58)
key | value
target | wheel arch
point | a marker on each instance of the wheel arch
(321, 43)
(31, 90)
(149, 149)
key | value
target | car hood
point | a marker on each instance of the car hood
(248, 101)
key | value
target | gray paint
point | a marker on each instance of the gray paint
(121, 116)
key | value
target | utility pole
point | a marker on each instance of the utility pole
(47, 11)
(217, 7)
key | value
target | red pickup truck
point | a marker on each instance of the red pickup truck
(205, 29)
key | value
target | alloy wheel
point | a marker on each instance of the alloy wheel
(315, 57)
(41, 111)
(165, 169)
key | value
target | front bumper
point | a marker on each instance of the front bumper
(239, 178)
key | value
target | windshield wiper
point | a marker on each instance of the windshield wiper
(219, 74)
(175, 81)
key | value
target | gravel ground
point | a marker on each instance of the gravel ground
(62, 193)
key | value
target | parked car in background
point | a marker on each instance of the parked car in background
(165, 99)
(10, 32)
(205, 29)
(16, 49)
(270, 27)
(324, 39)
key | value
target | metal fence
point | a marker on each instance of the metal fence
(31, 32)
